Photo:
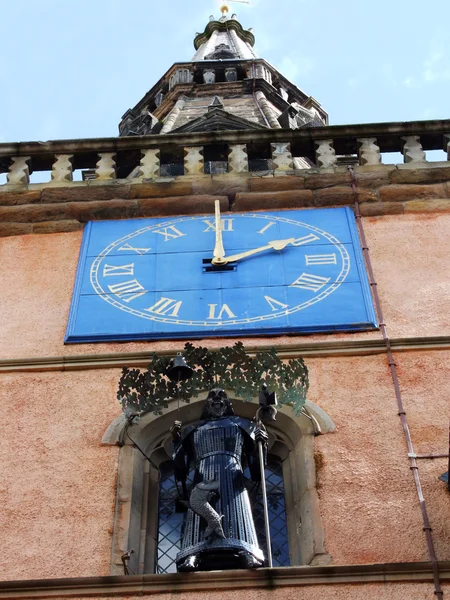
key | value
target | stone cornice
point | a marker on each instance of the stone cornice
(136, 585)
(387, 134)
(307, 349)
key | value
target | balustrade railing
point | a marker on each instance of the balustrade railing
(280, 151)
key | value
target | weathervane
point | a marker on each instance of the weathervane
(224, 8)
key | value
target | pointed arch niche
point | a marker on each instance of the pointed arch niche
(291, 441)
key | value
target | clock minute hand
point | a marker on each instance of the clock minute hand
(273, 245)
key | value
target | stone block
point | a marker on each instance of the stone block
(430, 173)
(323, 180)
(373, 177)
(63, 226)
(9, 229)
(438, 205)
(161, 189)
(342, 196)
(86, 193)
(181, 205)
(15, 198)
(113, 209)
(221, 185)
(32, 213)
(375, 209)
(274, 200)
(276, 184)
(403, 193)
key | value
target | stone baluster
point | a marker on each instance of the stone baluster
(412, 150)
(368, 151)
(447, 144)
(325, 154)
(193, 160)
(238, 158)
(150, 163)
(282, 157)
(106, 166)
(62, 169)
(19, 170)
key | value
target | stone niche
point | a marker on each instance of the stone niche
(291, 441)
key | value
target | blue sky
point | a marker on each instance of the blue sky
(71, 69)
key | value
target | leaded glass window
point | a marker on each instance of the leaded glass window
(171, 516)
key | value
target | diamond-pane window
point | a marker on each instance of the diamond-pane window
(170, 518)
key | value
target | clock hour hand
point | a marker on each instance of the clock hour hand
(273, 245)
(219, 251)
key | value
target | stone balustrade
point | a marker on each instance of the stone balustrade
(153, 157)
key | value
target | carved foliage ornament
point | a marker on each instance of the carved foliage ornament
(229, 367)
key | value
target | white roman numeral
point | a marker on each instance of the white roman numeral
(110, 270)
(224, 309)
(225, 225)
(166, 306)
(306, 239)
(275, 304)
(320, 259)
(139, 251)
(310, 282)
(169, 233)
(127, 287)
(264, 229)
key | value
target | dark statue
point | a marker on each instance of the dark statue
(219, 532)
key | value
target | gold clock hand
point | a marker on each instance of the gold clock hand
(273, 245)
(219, 251)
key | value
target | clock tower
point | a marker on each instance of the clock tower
(225, 86)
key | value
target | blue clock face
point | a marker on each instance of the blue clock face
(287, 271)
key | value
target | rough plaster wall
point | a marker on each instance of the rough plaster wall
(425, 383)
(391, 591)
(58, 484)
(408, 259)
(368, 500)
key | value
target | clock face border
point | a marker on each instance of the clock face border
(198, 328)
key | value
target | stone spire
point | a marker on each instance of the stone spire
(224, 39)
(224, 87)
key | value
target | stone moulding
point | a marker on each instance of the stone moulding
(286, 351)
(139, 585)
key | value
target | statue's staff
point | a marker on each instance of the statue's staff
(267, 411)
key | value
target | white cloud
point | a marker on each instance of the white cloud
(408, 81)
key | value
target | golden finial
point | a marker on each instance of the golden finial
(224, 7)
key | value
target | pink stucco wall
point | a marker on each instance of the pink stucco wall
(390, 591)
(34, 299)
(59, 481)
